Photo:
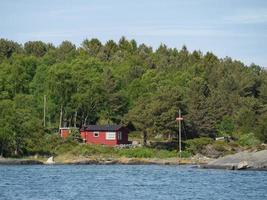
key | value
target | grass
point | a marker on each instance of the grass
(143, 152)
(69, 149)
(86, 150)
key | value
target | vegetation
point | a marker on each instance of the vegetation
(125, 83)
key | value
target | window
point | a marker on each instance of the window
(119, 135)
(110, 135)
(96, 134)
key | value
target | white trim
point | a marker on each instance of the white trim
(96, 133)
(119, 135)
(110, 135)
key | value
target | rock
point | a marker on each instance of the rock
(211, 152)
(243, 160)
(242, 165)
(50, 161)
(135, 143)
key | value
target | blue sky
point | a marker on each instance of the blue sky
(235, 28)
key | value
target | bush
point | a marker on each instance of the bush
(195, 145)
(74, 135)
(186, 154)
(137, 153)
(248, 140)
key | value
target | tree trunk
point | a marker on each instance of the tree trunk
(2, 151)
(85, 120)
(144, 138)
(60, 118)
(75, 119)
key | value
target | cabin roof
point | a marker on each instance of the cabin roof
(111, 127)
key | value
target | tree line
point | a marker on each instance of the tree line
(128, 83)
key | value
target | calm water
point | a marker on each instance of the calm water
(129, 182)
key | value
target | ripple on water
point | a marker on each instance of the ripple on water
(129, 182)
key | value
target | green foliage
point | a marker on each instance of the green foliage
(248, 140)
(195, 145)
(226, 127)
(126, 83)
(142, 152)
(74, 135)
(8, 48)
(36, 48)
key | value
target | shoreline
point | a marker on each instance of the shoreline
(256, 160)
(105, 161)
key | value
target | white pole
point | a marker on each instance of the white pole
(180, 137)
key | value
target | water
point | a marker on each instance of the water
(129, 182)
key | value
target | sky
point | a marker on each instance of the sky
(233, 28)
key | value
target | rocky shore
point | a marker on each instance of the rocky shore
(137, 161)
(240, 161)
(107, 161)
(20, 162)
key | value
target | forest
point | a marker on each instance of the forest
(125, 83)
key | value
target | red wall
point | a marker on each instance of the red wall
(64, 133)
(101, 139)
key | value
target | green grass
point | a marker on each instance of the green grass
(143, 152)
(76, 149)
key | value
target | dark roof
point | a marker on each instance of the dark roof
(112, 127)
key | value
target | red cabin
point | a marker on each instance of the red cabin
(65, 131)
(105, 134)
(110, 135)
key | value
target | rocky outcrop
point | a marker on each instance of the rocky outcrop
(243, 160)
(128, 161)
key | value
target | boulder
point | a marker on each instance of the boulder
(242, 165)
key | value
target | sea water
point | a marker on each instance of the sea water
(125, 182)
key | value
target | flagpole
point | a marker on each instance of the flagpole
(180, 137)
(179, 119)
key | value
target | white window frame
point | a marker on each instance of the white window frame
(96, 134)
(119, 135)
(110, 135)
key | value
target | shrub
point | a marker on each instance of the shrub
(248, 140)
(195, 145)
(137, 153)
(74, 135)
(186, 154)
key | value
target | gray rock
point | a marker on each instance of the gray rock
(242, 165)
(242, 160)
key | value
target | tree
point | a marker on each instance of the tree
(8, 48)
(115, 104)
(6, 132)
(92, 47)
(36, 48)
(66, 50)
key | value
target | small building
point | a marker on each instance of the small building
(110, 135)
(65, 131)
